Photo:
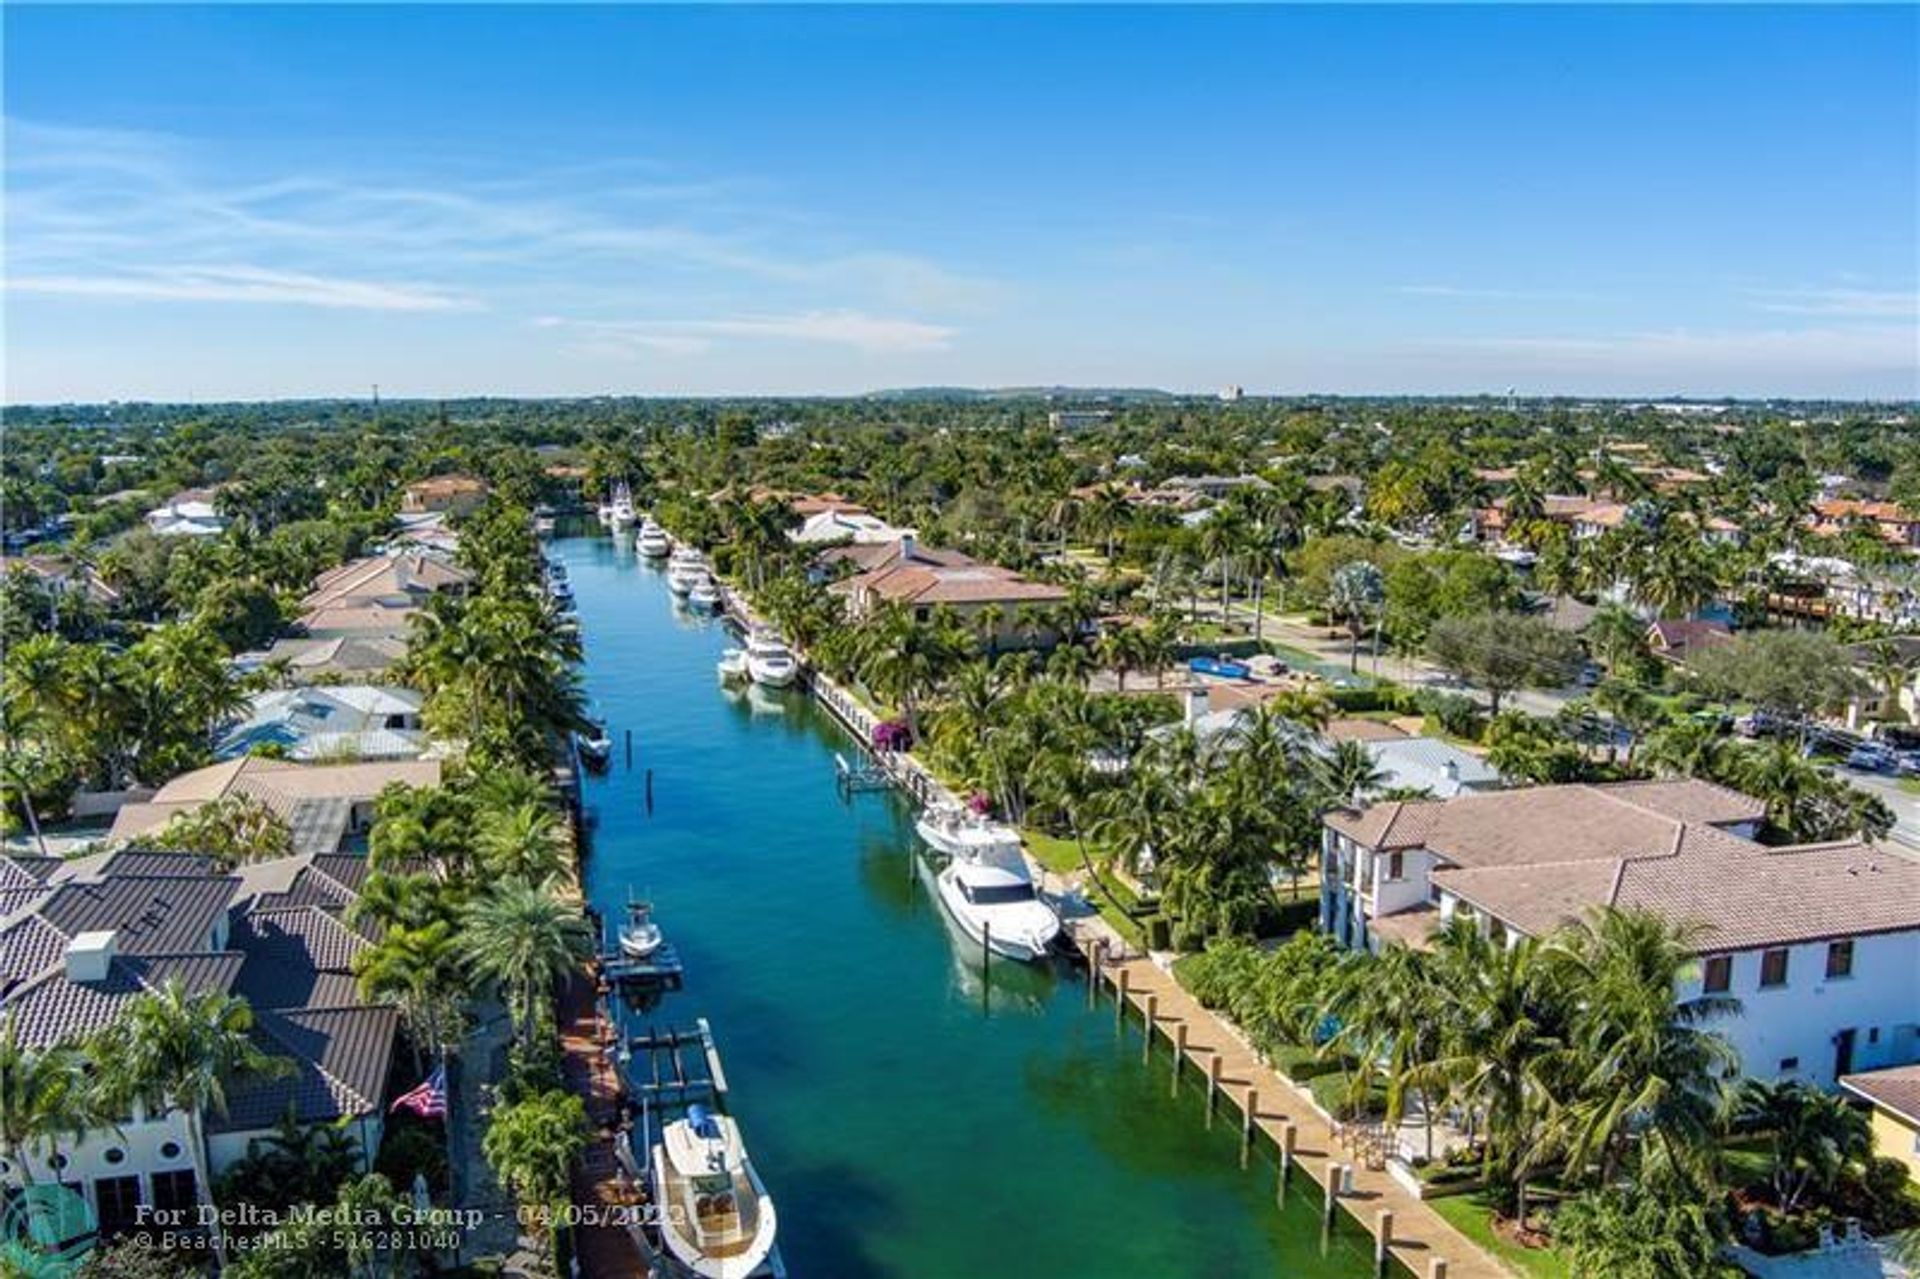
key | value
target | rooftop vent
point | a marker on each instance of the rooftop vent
(89, 956)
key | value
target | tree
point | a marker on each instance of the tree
(419, 969)
(233, 830)
(1811, 1135)
(1634, 1232)
(1347, 773)
(523, 842)
(173, 1050)
(1793, 674)
(44, 1095)
(1501, 652)
(1354, 594)
(525, 940)
(532, 1145)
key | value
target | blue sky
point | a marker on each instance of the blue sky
(280, 201)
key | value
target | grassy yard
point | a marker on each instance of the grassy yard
(1062, 857)
(1470, 1215)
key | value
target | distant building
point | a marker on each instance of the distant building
(188, 513)
(1078, 419)
(337, 722)
(1231, 394)
(454, 494)
(328, 807)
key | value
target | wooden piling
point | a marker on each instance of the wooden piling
(1289, 1135)
(1146, 1031)
(1120, 998)
(1179, 1054)
(1383, 1244)
(1437, 1268)
(629, 749)
(649, 792)
(1330, 1199)
(1248, 1126)
(1213, 1085)
(1094, 954)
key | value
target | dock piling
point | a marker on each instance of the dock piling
(1288, 1136)
(649, 792)
(1146, 1029)
(1437, 1268)
(1331, 1198)
(1213, 1085)
(1249, 1126)
(1179, 1055)
(629, 750)
(1383, 1245)
(1120, 998)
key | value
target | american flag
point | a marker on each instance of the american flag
(429, 1100)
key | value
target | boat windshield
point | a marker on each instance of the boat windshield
(997, 894)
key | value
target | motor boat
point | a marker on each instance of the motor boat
(954, 831)
(639, 935)
(989, 893)
(561, 593)
(686, 570)
(769, 661)
(596, 748)
(733, 665)
(543, 525)
(652, 541)
(716, 1217)
(704, 596)
(605, 514)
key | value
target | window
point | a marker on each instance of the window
(1789, 1064)
(1840, 958)
(114, 1155)
(173, 1192)
(169, 1150)
(1396, 866)
(1773, 968)
(118, 1203)
(1718, 978)
(997, 894)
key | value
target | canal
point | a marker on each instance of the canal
(909, 1119)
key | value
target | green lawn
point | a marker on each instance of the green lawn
(1062, 857)
(1470, 1215)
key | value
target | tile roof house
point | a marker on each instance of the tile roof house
(335, 722)
(454, 493)
(905, 574)
(1894, 1094)
(1820, 942)
(101, 931)
(325, 805)
(350, 657)
(377, 594)
(188, 513)
(1679, 640)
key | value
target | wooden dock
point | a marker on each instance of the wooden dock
(608, 1241)
(1267, 1106)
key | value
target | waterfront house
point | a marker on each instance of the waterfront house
(1677, 641)
(82, 939)
(328, 807)
(1831, 517)
(354, 658)
(1894, 1094)
(844, 524)
(376, 595)
(1819, 942)
(453, 494)
(336, 722)
(921, 579)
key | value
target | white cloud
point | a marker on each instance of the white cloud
(1893, 303)
(242, 284)
(873, 334)
(1462, 293)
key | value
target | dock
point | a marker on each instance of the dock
(1268, 1107)
(661, 969)
(608, 1242)
(862, 776)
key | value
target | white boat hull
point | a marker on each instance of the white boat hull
(759, 1260)
(1024, 932)
(773, 674)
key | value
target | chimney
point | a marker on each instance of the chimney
(1196, 705)
(1452, 769)
(89, 956)
(906, 547)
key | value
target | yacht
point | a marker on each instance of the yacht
(705, 595)
(716, 1217)
(639, 935)
(769, 661)
(605, 514)
(985, 884)
(685, 570)
(733, 665)
(543, 525)
(652, 541)
(620, 509)
(596, 748)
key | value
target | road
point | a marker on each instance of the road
(1905, 806)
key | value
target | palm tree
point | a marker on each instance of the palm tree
(1641, 1062)
(532, 1144)
(418, 969)
(522, 938)
(1354, 593)
(44, 1095)
(1888, 666)
(524, 842)
(1347, 773)
(172, 1050)
(1783, 779)
(1813, 1135)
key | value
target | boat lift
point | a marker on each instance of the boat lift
(864, 776)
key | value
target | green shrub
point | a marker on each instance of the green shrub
(1159, 931)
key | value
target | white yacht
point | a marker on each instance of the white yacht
(733, 665)
(620, 509)
(716, 1217)
(769, 661)
(685, 570)
(986, 886)
(596, 748)
(639, 935)
(705, 595)
(605, 513)
(652, 541)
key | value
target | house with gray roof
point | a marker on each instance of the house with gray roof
(1820, 943)
(81, 940)
(336, 722)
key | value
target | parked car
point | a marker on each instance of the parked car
(1873, 759)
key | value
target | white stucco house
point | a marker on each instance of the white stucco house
(188, 513)
(1820, 943)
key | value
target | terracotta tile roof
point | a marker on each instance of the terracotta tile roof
(297, 958)
(1361, 730)
(341, 1057)
(147, 914)
(1896, 1089)
(288, 788)
(361, 582)
(51, 1009)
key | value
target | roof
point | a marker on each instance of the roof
(296, 792)
(907, 573)
(365, 721)
(338, 655)
(446, 486)
(340, 1057)
(1431, 764)
(297, 958)
(1539, 857)
(51, 1009)
(402, 578)
(1359, 730)
(1679, 636)
(147, 914)
(1896, 1089)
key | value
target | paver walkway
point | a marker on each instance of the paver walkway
(1420, 1235)
(603, 1190)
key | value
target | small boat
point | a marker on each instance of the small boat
(704, 596)
(596, 748)
(716, 1217)
(639, 935)
(733, 665)
(769, 661)
(543, 525)
(954, 831)
(605, 512)
(685, 570)
(652, 541)
(989, 891)
(560, 593)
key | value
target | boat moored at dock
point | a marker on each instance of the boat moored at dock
(770, 663)
(705, 596)
(652, 541)
(640, 937)
(686, 569)
(716, 1217)
(986, 885)
(732, 665)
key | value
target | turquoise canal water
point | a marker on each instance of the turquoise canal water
(909, 1118)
